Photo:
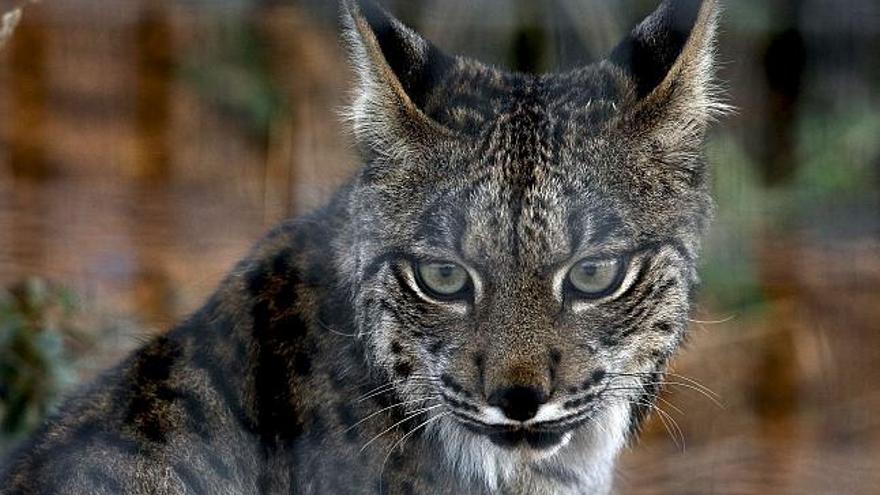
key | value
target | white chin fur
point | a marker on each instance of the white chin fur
(589, 453)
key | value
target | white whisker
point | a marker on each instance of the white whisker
(395, 425)
(374, 414)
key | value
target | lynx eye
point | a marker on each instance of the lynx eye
(443, 279)
(593, 278)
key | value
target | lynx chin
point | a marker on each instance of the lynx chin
(487, 307)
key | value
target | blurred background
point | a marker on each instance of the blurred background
(146, 144)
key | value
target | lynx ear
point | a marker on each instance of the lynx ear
(669, 59)
(397, 69)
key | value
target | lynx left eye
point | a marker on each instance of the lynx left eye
(592, 278)
(442, 279)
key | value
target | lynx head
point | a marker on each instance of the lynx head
(523, 246)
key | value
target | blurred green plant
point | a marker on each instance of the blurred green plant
(838, 153)
(729, 274)
(37, 327)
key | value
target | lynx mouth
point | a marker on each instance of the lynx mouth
(542, 436)
(535, 437)
(538, 440)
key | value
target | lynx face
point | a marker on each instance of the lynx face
(526, 244)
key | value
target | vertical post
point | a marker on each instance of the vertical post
(528, 52)
(784, 64)
(777, 388)
(28, 90)
(155, 69)
(154, 295)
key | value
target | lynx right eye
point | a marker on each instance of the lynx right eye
(593, 279)
(443, 279)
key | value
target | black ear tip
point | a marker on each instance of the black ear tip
(347, 11)
(348, 7)
(369, 10)
(682, 14)
(651, 49)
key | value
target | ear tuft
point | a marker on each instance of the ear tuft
(397, 70)
(669, 57)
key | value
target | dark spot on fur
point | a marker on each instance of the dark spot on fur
(436, 347)
(278, 339)
(555, 358)
(302, 364)
(315, 274)
(282, 263)
(449, 382)
(402, 369)
(660, 356)
(664, 327)
(346, 416)
(386, 399)
(454, 386)
(286, 297)
(480, 363)
(461, 405)
(576, 403)
(197, 418)
(355, 353)
(317, 426)
(396, 347)
(262, 315)
(229, 393)
(149, 409)
(338, 379)
(595, 377)
(257, 280)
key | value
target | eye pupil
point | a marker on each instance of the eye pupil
(594, 279)
(442, 280)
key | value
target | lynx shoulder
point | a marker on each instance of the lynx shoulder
(487, 307)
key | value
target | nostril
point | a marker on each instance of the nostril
(518, 403)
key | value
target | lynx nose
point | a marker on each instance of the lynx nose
(518, 403)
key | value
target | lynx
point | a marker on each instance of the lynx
(487, 307)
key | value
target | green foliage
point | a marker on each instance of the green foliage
(36, 324)
(838, 154)
(729, 274)
(837, 151)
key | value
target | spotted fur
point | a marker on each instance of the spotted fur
(320, 365)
